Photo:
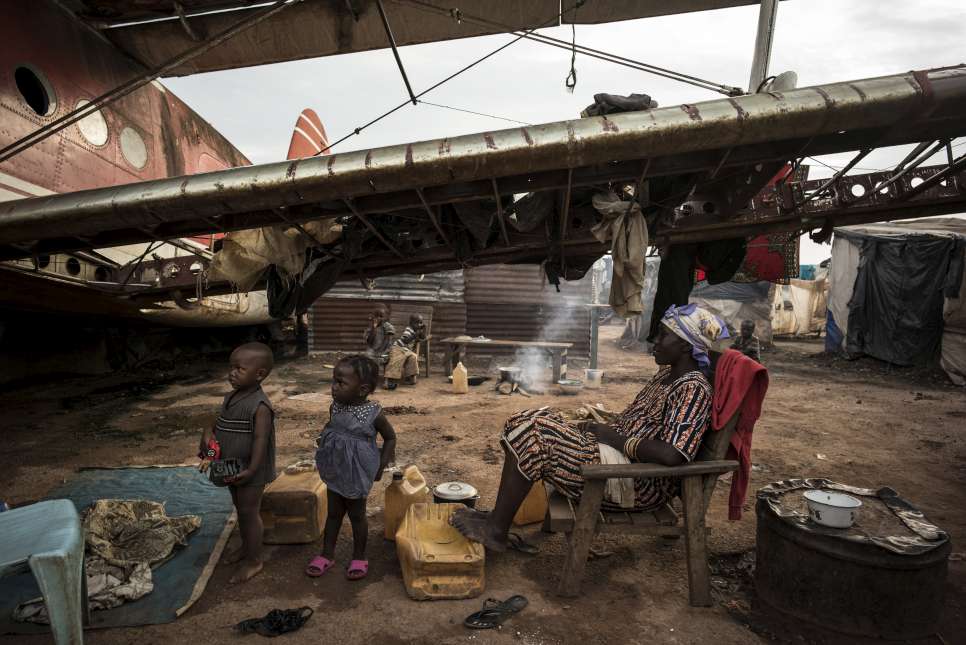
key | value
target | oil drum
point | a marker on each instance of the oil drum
(850, 587)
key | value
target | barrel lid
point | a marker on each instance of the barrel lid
(454, 491)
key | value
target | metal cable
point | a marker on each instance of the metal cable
(382, 116)
(582, 49)
(491, 116)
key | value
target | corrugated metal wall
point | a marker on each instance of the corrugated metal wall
(514, 302)
(498, 301)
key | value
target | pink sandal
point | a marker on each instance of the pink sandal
(318, 566)
(358, 569)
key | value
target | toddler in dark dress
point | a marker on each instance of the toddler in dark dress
(245, 430)
(349, 460)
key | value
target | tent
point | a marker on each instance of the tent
(737, 301)
(799, 306)
(896, 293)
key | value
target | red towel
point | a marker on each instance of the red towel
(740, 384)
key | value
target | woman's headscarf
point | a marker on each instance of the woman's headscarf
(699, 327)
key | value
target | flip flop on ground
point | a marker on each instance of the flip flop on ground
(494, 612)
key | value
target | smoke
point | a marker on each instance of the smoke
(536, 364)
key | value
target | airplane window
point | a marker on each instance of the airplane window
(43, 261)
(35, 90)
(73, 266)
(92, 127)
(133, 148)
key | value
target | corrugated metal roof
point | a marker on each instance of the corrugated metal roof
(445, 286)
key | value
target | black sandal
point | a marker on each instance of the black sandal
(276, 622)
(516, 542)
(494, 612)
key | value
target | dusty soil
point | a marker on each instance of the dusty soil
(872, 424)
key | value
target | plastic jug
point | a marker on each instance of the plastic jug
(408, 487)
(534, 506)
(592, 378)
(461, 383)
(437, 562)
(294, 507)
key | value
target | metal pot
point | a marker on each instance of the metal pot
(510, 374)
(456, 493)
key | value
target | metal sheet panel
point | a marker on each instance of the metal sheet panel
(312, 29)
(614, 10)
(523, 284)
(445, 286)
(564, 324)
(337, 324)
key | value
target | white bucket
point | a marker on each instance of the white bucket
(592, 378)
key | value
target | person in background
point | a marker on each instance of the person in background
(747, 342)
(379, 335)
(403, 358)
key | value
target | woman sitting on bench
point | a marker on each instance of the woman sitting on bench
(664, 425)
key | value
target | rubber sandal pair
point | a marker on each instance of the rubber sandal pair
(357, 569)
(495, 612)
(276, 622)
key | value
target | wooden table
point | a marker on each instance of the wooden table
(456, 351)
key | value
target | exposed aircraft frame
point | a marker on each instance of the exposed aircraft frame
(722, 137)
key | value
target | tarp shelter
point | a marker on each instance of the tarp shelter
(896, 293)
(738, 301)
(799, 307)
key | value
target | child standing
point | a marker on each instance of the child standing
(349, 460)
(245, 430)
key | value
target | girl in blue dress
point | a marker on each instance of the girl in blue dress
(349, 460)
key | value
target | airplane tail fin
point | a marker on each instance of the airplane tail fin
(309, 137)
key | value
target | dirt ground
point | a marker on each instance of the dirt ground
(872, 425)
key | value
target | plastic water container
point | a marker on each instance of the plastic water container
(437, 561)
(408, 487)
(461, 383)
(592, 378)
(534, 506)
(293, 508)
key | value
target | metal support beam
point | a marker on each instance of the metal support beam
(951, 169)
(499, 213)
(821, 189)
(372, 229)
(395, 52)
(434, 219)
(767, 14)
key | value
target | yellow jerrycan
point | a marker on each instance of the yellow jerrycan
(437, 561)
(461, 383)
(408, 487)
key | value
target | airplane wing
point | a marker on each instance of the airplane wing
(153, 31)
(410, 207)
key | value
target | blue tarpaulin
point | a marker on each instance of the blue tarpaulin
(183, 491)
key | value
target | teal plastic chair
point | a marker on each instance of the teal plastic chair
(46, 539)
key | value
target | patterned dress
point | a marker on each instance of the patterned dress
(550, 448)
(235, 432)
(348, 458)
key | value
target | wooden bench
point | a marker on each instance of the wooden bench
(583, 521)
(456, 351)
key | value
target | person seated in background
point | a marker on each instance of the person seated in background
(379, 335)
(747, 343)
(403, 358)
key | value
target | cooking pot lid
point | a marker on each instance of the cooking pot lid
(454, 490)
